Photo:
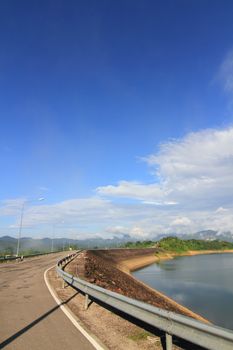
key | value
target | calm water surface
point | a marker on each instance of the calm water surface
(203, 283)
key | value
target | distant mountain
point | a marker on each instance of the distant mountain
(9, 244)
(205, 235)
(209, 235)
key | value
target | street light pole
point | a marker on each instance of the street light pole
(52, 240)
(20, 228)
(21, 222)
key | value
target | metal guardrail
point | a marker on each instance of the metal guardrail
(196, 332)
(21, 257)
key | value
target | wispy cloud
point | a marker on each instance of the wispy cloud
(132, 189)
(11, 207)
(43, 189)
(226, 72)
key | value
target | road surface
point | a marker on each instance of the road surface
(29, 317)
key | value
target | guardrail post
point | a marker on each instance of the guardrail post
(86, 302)
(168, 341)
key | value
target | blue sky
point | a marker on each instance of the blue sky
(99, 100)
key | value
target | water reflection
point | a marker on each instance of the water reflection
(204, 283)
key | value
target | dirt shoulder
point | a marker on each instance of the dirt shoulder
(113, 331)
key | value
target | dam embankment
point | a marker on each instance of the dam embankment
(111, 268)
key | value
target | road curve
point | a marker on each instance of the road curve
(30, 319)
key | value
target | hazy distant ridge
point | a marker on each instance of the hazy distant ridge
(45, 244)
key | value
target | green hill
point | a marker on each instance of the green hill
(175, 244)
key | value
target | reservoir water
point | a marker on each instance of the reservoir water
(203, 283)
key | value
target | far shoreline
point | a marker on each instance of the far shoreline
(137, 263)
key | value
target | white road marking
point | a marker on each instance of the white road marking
(66, 311)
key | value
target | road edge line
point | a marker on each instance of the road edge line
(67, 312)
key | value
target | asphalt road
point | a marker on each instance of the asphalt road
(29, 317)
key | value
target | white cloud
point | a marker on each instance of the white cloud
(95, 216)
(131, 190)
(160, 203)
(72, 210)
(181, 221)
(193, 171)
(193, 187)
(192, 191)
(222, 210)
(117, 229)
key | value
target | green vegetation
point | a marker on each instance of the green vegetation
(8, 251)
(139, 336)
(174, 244)
(139, 244)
